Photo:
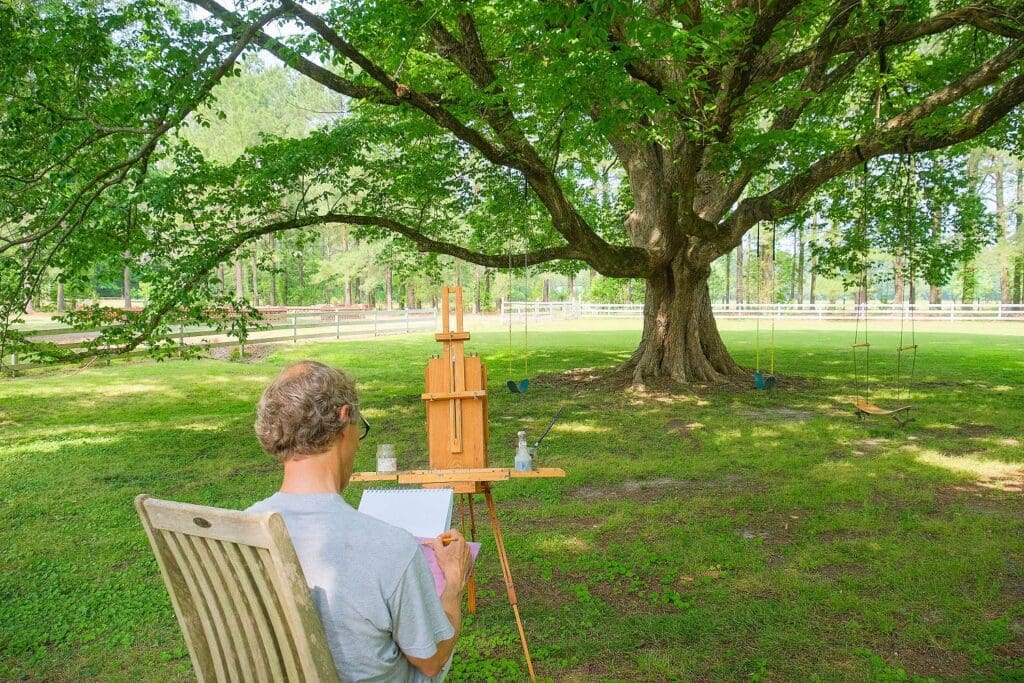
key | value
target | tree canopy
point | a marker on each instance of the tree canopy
(642, 138)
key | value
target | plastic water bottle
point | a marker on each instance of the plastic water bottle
(524, 463)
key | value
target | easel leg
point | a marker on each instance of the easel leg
(499, 541)
(471, 585)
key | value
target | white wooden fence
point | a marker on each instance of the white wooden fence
(564, 310)
(283, 325)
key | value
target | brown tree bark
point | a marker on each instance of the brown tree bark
(410, 297)
(60, 297)
(680, 338)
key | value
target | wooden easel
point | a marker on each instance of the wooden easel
(457, 436)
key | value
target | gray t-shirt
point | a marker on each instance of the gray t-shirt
(369, 582)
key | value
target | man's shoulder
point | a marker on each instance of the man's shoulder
(334, 515)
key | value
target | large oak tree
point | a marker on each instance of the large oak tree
(641, 138)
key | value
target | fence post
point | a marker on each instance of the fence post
(337, 324)
(407, 321)
(375, 322)
(295, 328)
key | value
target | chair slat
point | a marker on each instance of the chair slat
(268, 663)
(235, 615)
(282, 635)
(239, 594)
(176, 543)
(315, 656)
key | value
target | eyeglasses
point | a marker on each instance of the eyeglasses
(365, 426)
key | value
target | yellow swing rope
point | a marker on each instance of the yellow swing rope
(907, 310)
(861, 310)
(526, 314)
(508, 301)
(757, 318)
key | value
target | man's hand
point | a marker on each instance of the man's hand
(453, 557)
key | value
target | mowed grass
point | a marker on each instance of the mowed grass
(701, 534)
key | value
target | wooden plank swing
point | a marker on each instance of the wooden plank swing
(457, 438)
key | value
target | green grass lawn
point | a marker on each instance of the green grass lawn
(708, 534)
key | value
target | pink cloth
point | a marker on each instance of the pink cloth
(435, 569)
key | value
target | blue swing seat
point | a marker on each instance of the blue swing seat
(520, 387)
(764, 382)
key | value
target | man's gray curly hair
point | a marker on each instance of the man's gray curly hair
(298, 413)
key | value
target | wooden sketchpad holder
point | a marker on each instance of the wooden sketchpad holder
(457, 437)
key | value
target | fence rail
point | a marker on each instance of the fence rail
(284, 325)
(563, 310)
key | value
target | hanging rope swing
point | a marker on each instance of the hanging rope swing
(520, 387)
(861, 346)
(762, 381)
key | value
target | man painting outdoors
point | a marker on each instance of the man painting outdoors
(369, 580)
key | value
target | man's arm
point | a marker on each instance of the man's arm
(454, 561)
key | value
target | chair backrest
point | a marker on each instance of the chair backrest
(238, 592)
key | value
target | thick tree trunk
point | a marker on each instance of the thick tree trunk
(60, 297)
(410, 297)
(680, 338)
(389, 292)
(348, 291)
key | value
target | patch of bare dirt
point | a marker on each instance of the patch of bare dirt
(254, 353)
(863, 447)
(585, 380)
(685, 430)
(647, 490)
(968, 430)
(776, 414)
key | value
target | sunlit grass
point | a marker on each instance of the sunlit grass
(706, 534)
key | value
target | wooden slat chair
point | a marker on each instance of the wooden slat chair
(238, 592)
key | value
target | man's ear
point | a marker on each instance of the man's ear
(345, 413)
